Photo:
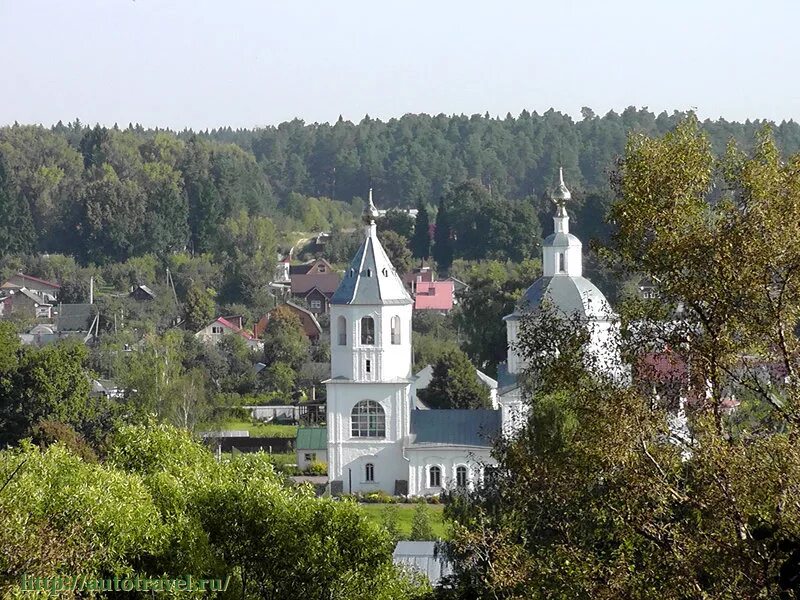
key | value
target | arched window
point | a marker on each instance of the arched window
(435, 477)
(342, 327)
(461, 476)
(367, 331)
(395, 330)
(368, 420)
(369, 472)
(562, 262)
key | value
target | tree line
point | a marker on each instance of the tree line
(107, 194)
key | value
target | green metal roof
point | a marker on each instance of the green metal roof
(312, 438)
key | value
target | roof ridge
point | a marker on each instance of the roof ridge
(361, 264)
(38, 279)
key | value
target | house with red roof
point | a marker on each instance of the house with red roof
(418, 275)
(220, 327)
(434, 295)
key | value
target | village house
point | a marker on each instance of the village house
(417, 275)
(308, 320)
(46, 289)
(313, 281)
(25, 302)
(142, 293)
(436, 296)
(428, 292)
(311, 446)
(220, 327)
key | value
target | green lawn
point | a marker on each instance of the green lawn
(287, 458)
(263, 429)
(405, 513)
(279, 459)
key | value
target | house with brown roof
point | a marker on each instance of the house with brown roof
(317, 290)
(311, 267)
(311, 326)
(314, 281)
(47, 289)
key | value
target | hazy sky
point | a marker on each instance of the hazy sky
(244, 63)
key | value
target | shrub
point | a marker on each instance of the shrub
(289, 469)
(47, 432)
(390, 520)
(317, 467)
(421, 529)
(379, 497)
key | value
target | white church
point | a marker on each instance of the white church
(379, 437)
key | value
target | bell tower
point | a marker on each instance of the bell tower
(369, 392)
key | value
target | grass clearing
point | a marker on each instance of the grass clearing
(285, 458)
(405, 514)
(263, 429)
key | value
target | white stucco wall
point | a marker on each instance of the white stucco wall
(388, 361)
(515, 364)
(347, 456)
(448, 459)
(321, 455)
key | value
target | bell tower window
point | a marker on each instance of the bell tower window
(395, 330)
(342, 327)
(562, 262)
(367, 331)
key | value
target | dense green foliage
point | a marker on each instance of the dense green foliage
(47, 384)
(161, 505)
(454, 384)
(494, 289)
(603, 494)
(421, 240)
(109, 194)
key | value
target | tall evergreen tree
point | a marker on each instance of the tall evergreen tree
(16, 222)
(455, 384)
(421, 240)
(442, 243)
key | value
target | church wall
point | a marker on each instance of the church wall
(514, 412)
(448, 459)
(347, 456)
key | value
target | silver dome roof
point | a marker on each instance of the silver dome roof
(569, 295)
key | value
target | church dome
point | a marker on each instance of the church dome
(568, 294)
(561, 239)
(563, 285)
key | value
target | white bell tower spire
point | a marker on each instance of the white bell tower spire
(562, 251)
